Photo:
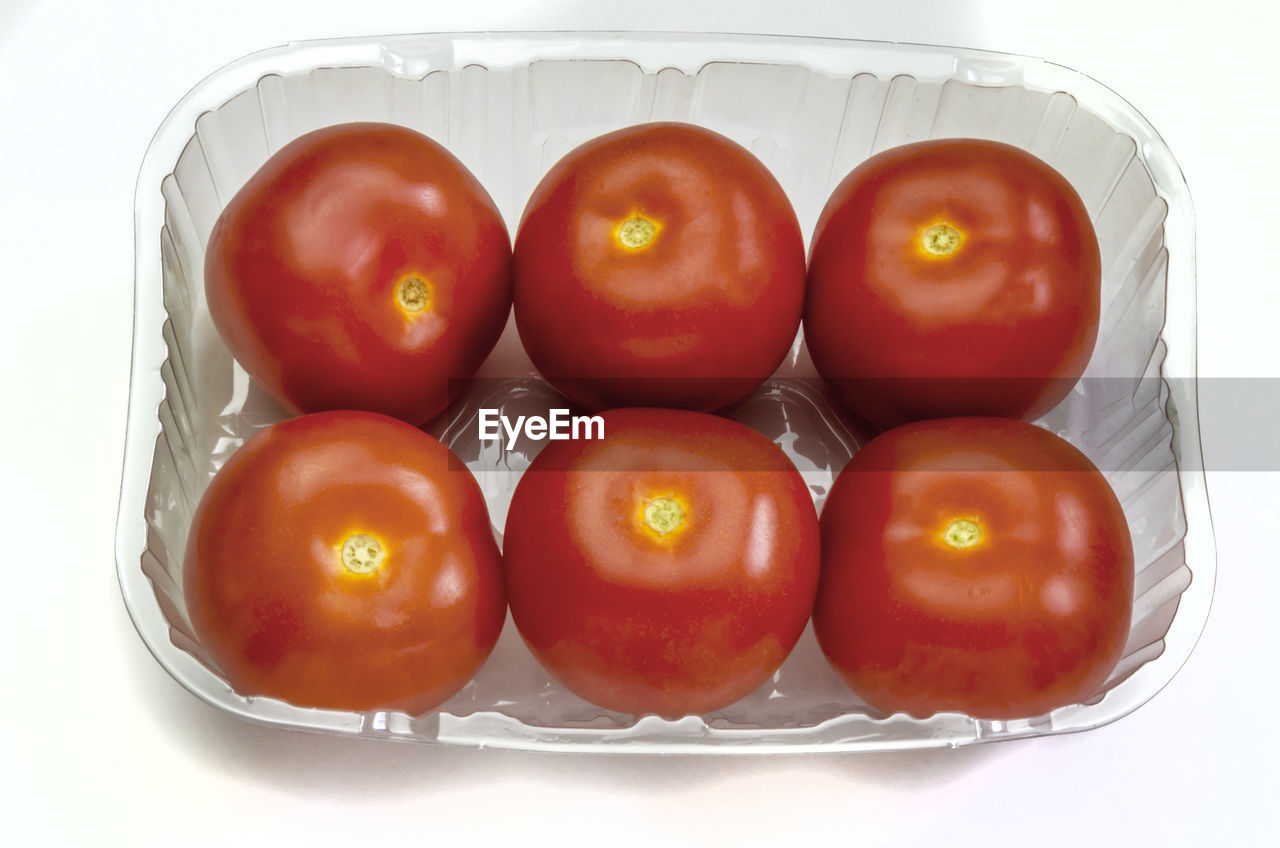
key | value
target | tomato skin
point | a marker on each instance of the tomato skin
(695, 319)
(304, 266)
(1033, 617)
(269, 595)
(1004, 326)
(673, 624)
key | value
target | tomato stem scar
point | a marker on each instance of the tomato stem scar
(636, 232)
(940, 239)
(663, 515)
(413, 294)
(363, 554)
(962, 533)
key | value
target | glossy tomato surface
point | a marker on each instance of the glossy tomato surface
(952, 277)
(659, 265)
(362, 267)
(668, 568)
(344, 560)
(976, 565)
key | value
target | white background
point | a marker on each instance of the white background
(100, 746)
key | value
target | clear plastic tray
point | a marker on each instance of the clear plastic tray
(509, 105)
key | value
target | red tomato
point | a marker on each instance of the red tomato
(952, 277)
(659, 265)
(340, 560)
(979, 565)
(363, 267)
(668, 568)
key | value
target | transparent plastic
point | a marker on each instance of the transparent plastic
(509, 105)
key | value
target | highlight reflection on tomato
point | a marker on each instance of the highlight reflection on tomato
(362, 267)
(952, 277)
(337, 560)
(658, 265)
(668, 568)
(977, 565)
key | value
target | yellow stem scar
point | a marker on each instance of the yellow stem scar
(413, 294)
(363, 554)
(636, 232)
(663, 515)
(962, 533)
(940, 239)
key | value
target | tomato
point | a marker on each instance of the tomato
(659, 265)
(362, 267)
(345, 560)
(952, 277)
(978, 565)
(667, 568)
